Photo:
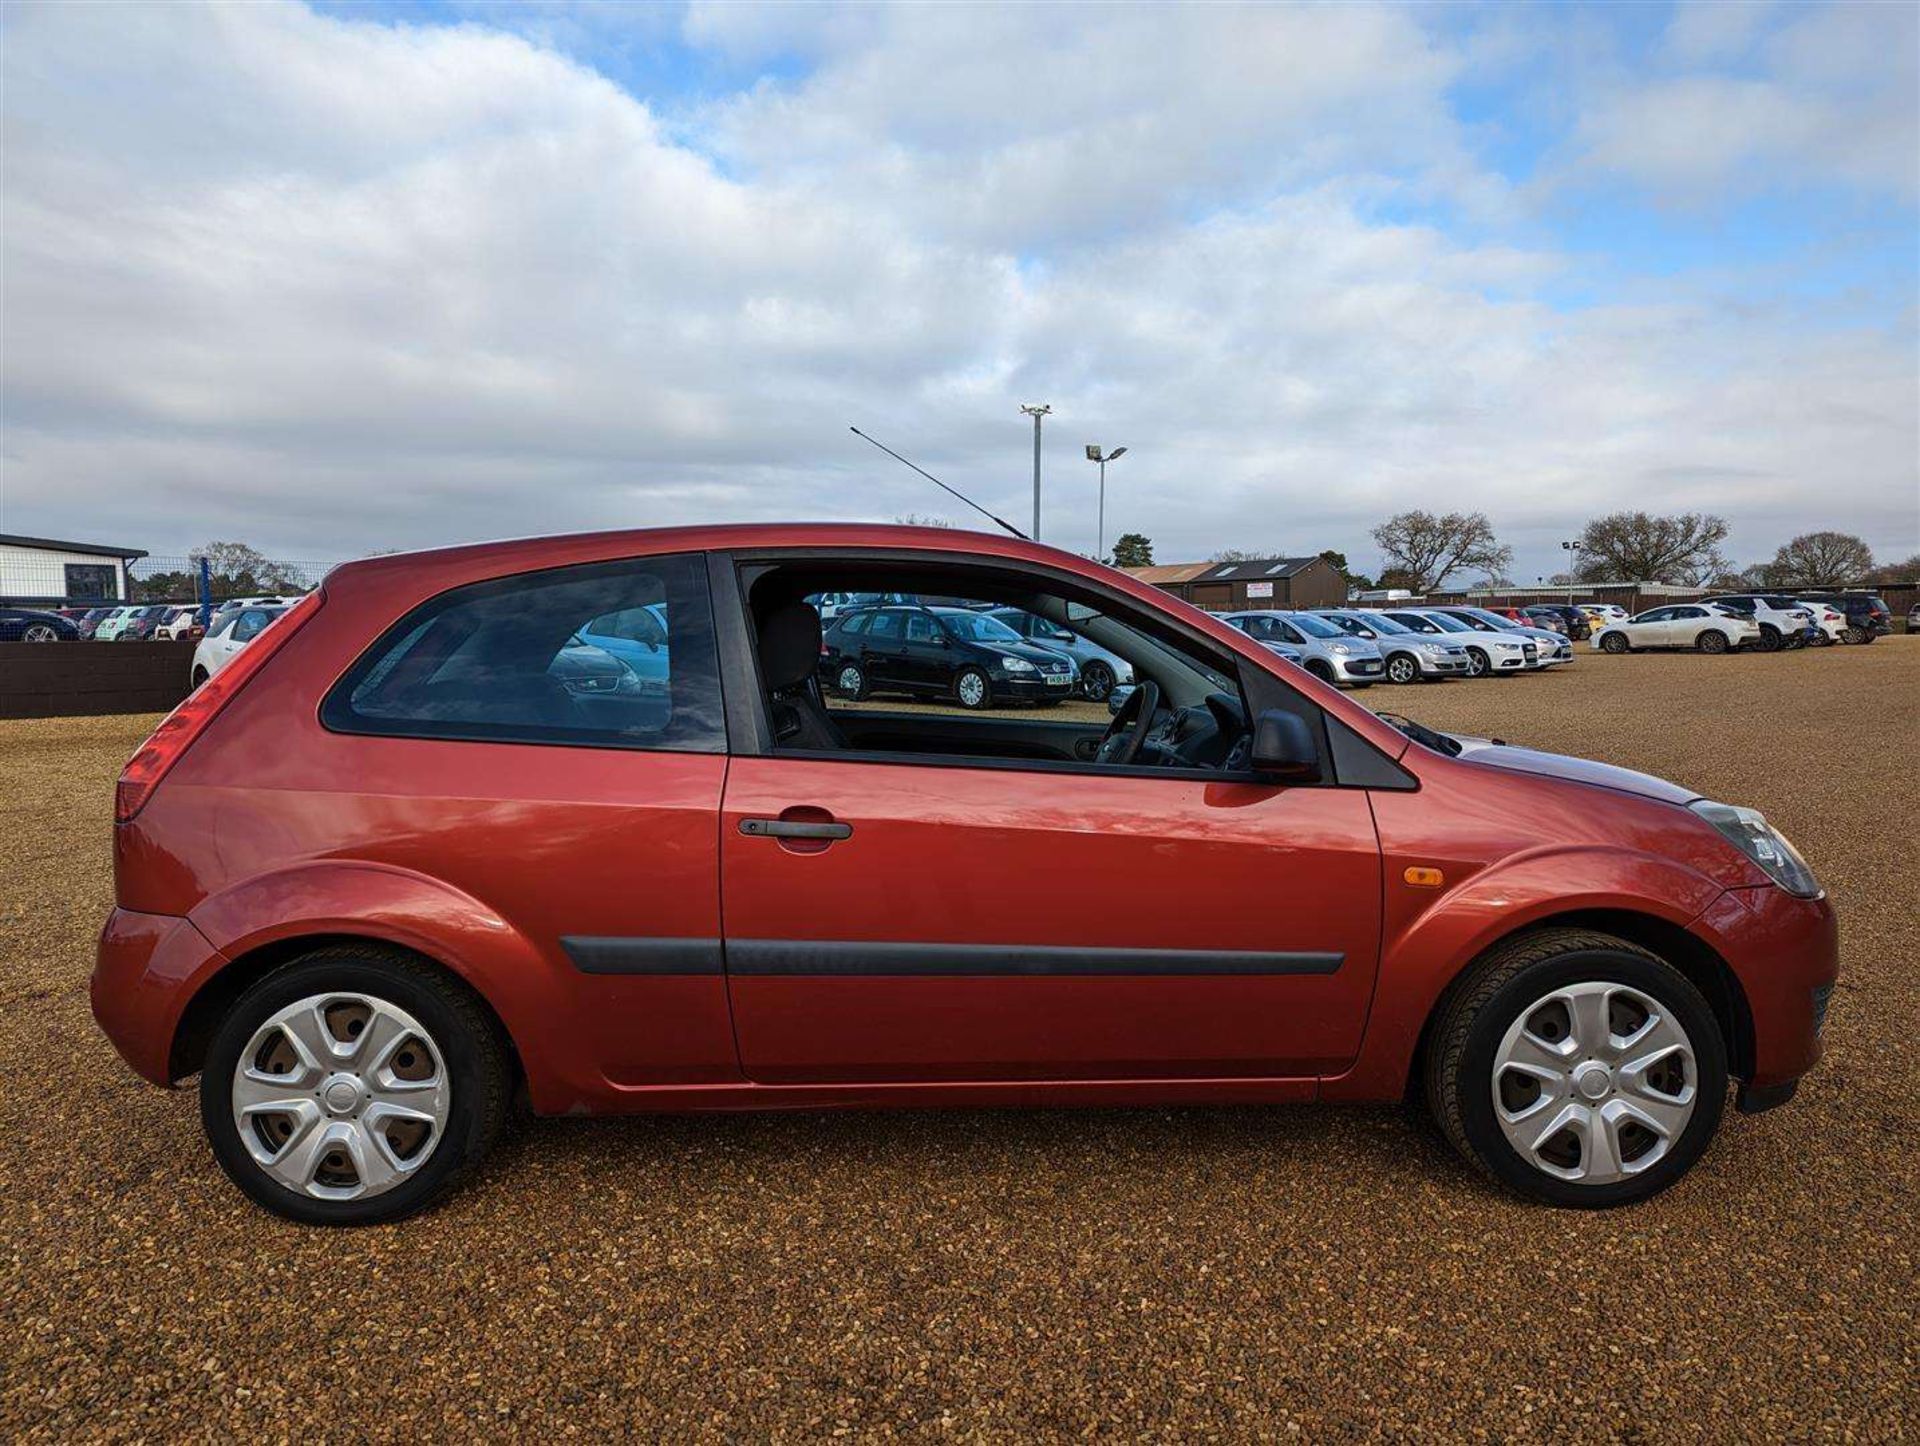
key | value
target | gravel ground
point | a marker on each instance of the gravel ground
(1189, 1274)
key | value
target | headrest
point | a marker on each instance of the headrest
(789, 645)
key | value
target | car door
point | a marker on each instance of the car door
(1685, 628)
(927, 652)
(892, 918)
(884, 648)
(1651, 629)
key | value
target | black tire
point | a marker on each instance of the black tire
(1769, 638)
(40, 633)
(860, 687)
(1321, 671)
(983, 699)
(1486, 1001)
(1711, 641)
(1096, 681)
(1869, 637)
(1853, 634)
(199, 676)
(1402, 668)
(480, 1076)
(1615, 643)
(1479, 664)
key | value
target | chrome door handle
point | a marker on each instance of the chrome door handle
(793, 828)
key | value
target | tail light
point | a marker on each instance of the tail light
(179, 728)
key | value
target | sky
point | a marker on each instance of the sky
(353, 277)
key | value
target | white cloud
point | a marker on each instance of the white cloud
(328, 286)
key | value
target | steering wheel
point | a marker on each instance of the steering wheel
(1128, 730)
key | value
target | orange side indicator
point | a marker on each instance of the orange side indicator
(1424, 878)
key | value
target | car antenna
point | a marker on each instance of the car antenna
(943, 486)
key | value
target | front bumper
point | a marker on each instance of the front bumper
(1033, 685)
(147, 968)
(1358, 670)
(1446, 667)
(1785, 953)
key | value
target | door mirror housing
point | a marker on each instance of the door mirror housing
(1284, 749)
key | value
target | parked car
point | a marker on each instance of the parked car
(1331, 654)
(1553, 648)
(1784, 622)
(1704, 627)
(1868, 616)
(117, 620)
(382, 876)
(1495, 655)
(139, 628)
(1600, 614)
(638, 638)
(1097, 672)
(1913, 618)
(1830, 623)
(180, 625)
(1560, 618)
(33, 625)
(230, 633)
(1410, 657)
(939, 652)
(91, 619)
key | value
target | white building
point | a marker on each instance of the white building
(40, 569)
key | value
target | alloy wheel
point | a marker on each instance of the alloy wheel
(1594, 1083)
(971, 688)
(851, 681)
(1097, 681)
(340, 1096)
(1402, 669)
(1477, 663)
(40, 633)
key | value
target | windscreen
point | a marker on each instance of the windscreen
(1313, 627)
(979, 628)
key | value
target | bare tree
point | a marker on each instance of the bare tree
(1907, 570)
(1639, 547)
(1430, 549)
(237, 569)
(918, 519)
(1820, 559)
(1237, 554)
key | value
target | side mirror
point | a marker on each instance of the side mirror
(1284, 748)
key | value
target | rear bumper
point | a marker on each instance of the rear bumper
(1785, 952)
(147, 968)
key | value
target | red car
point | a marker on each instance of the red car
(465, 824)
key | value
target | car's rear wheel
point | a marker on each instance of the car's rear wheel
(1769, 639)
(1478, 665)
(1401, 668)
(200, 676)
(1576, 1068)
(1615, 643)
(39, 633)
(1096, 681)
(352, 1086)
(851, 681)
(1711, 642)
(972, 689)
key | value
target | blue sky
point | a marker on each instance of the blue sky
(490, 269)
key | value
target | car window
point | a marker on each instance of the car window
(885, 625)
(1312, 626)
(978, 627)
(514, 660)
(248, 624)
(1413, 622)
(1655, 615)
(1449, 625)
(921, 628)
(629, 625)
(857, 623)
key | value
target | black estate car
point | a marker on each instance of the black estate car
(1868, 617)
(1562, 618)
(31, 625)
(939, 652)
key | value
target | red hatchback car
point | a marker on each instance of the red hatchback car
(580, 817)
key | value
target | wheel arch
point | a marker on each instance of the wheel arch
(201, 1017)
(1696, 960)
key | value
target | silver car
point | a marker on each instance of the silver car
(1492, 654)
(1555, 647)
(1410, 656)
(1096, 671)
(1329, 653)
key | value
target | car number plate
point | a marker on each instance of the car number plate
(1059, 680)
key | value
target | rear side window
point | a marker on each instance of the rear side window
(617, 655)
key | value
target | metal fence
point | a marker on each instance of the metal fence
(200, 579)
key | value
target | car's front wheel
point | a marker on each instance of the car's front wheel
(1402, 669)
(1477, 663)
(40, 633)
(1615, 643)
(1578, 1069)
(973, 689)
(352, 1086)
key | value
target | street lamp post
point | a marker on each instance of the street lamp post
(1036, 411)
(1094, 455)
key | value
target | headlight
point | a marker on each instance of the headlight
(1016, 665)
(1434, 650)
(1341, 648)
(1747, 830)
